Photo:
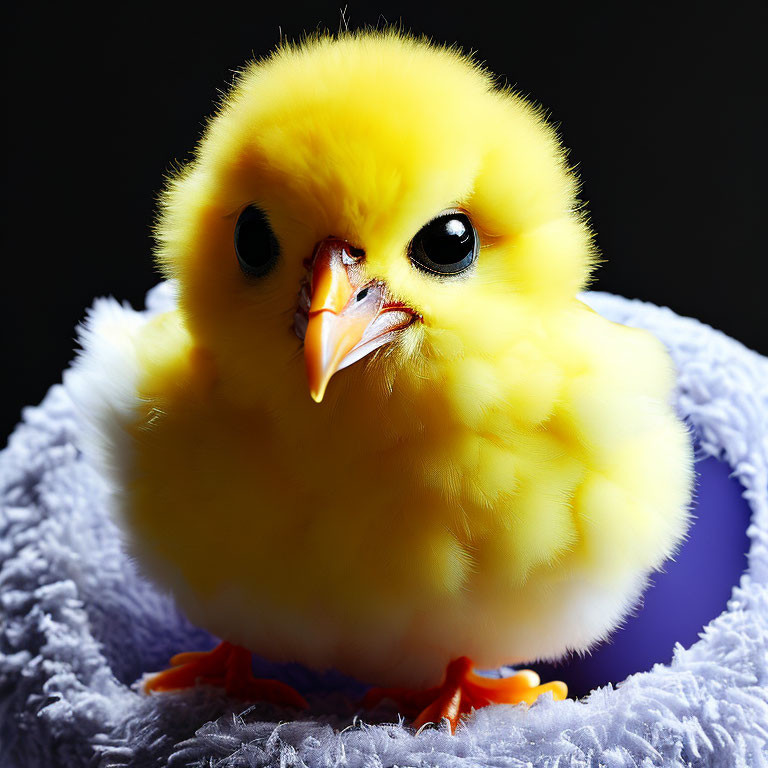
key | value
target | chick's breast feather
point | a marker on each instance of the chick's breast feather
(497, 479)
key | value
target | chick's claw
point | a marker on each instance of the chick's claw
(226, 666)
(463, 691)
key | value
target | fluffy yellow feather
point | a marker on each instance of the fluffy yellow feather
(496, 481)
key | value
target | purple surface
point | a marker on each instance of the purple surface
(693, 589)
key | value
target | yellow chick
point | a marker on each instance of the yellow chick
(486, 469)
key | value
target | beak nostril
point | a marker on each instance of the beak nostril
(360, 296)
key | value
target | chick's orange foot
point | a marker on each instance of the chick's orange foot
(461, 692)
(226, 666)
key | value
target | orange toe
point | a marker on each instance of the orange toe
(463, 691)
(227, 666)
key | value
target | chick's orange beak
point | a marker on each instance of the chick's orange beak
(347, 317)
(334, 327)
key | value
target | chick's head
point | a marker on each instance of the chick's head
(340, 162)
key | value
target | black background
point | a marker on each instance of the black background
(662, 106)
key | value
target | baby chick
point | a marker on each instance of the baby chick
(496, 471)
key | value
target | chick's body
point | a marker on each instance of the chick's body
(497, 481)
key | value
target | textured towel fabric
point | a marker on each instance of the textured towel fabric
(78, 626)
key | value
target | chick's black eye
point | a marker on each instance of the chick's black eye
(447, 245)
(255, 243)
